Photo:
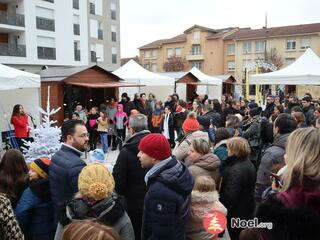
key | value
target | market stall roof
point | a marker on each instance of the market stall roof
(201, 78)
(304, 71)
(85, 76)
(12, 78)
(132, 71)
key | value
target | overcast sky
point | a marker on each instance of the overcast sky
(144, 21)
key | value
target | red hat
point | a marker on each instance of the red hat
(191, 123)
(156, 146)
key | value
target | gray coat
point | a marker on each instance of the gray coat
(271, 160)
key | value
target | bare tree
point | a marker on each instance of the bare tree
(174, 64)
(125, 60)
(271, 57)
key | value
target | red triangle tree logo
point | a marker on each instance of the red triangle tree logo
(215, 222)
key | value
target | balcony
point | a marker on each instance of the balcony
(92, 9)
(12, 50)
(76, 4)
(52, 1)
(77, 55)
(11, 19)
(76, 29)
(45, 24)
(193, 56)
(93, 56)
(46, 53)
(100, 34)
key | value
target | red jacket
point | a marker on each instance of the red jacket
(20, 124)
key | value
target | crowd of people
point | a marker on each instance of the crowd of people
(178, 161)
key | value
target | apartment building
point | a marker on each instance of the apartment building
(37, 33)
(198, 46)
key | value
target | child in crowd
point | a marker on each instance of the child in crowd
(35, 210)
(157, 116)
(120, 121)
(103, 126)
(204, 199)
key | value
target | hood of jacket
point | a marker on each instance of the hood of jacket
(108, 210)
(208, 162)
(133, 141)
(40, 188)
(198, 134)
(175, 175)
(222, 142)
(202, 203)
(281, 140)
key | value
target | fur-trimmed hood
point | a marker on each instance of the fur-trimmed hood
(204, 197)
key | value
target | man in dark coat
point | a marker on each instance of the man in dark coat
(307, 109)
(169, 186)
(208, 116)
(231, 110)
(127, 104)
(273, 157)
(128, 173)
(269, 108)
(66, 164)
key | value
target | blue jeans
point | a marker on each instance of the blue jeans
(104, 141)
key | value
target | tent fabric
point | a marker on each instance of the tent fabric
(304, 71)
(132, 72)
(11, 78)
(203, 78)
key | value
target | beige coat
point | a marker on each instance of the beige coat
(207, 165)
(201, 204)
(103, 125)
(182, 149)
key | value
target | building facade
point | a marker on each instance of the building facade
(37, 33)
(230, 50)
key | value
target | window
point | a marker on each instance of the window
(178, 52)
(197, 65)
(76, 4)
(92, 8)
(289, 61)
(196, 49)
(114, 54)
(154, 54)
(169, 52)
(291, 44)
(113, 33)
(146, 54)
(252, 89)
(76, 45)
(231, 49)
(246, 47)
(146, 66)
(245, 63)
(196, 35)
(260, 46)
(113, 11)
(305, 43)
(154, 68)
(231, 65)
(100, 31)
(46, 48)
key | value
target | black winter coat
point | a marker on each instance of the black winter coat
(308, 114)
(226, 112)
(127, 106)
(64, 171)
(269, 110)
(204, 119)
(167, 202)
(237, 191)
(129, 179)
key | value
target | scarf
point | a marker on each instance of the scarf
(155, 168)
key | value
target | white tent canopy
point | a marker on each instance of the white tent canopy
(304, 71)
(157, 84)
(11, 78)
(204, 78)
(18, 87)
(133, 71)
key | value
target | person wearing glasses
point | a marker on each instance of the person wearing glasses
(66, 164)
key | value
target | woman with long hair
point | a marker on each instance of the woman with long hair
(19, 120)
(294, 211)
(13, 175)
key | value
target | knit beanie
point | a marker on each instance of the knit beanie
(156, 146)
(41, 167)
(191, 123)
(95, 182)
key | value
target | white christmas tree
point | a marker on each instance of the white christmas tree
(46, 137)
